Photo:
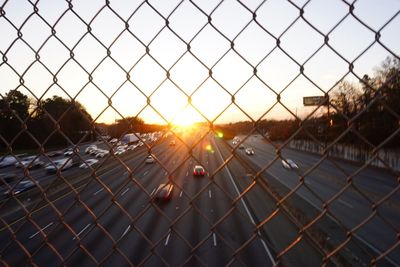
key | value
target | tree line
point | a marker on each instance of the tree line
(52, 122)
(55, 122)
(362, 113)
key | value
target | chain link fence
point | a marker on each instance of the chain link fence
(97, 155)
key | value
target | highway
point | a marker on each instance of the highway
(227, 217)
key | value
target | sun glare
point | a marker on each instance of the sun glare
(186, 118)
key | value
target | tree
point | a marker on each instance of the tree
(14, 107)
(345, 99)
(69, 116)
(127, 125)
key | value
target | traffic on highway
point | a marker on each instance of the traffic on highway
(170, 196)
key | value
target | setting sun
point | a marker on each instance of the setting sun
(187, 117)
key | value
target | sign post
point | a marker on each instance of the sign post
(315, 100)
(319, 101)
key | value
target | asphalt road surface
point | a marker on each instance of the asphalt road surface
(231, 216)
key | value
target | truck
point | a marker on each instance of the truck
(129, 139)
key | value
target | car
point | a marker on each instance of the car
(234, 143)
(70, 151)
(198, 170)
(241, 146)
(289, 164)
(163, 192)
(120, 151)
(90, 149)
(95, 151)
(54, 153)
(114, 140)
(102, 153)
(149, 159)
(7, 178)
(88, 163)
(249, 151)
(30, 162)
(20, 187)
(7, 161)
(61, 164)
(172, 143)
(131, 147)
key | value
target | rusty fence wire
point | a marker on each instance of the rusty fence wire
(292, 221)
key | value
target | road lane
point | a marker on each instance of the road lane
(322, 186)
(203, 224)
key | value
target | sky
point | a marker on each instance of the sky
(109, 52)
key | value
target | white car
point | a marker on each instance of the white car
(289, 164)
(102, 153)
(70, 151)
(30, 162)
(7, 161)
(90, 149)
(149, 159)
(131, 147)
(61, 164)
(120, 151)
(88, 163)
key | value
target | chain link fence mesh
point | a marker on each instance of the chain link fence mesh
(245, 211)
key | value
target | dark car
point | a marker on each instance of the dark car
(55, 153)
(163, 192)
(198, 170)
(7, 178)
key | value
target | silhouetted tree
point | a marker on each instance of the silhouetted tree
(14, 110)
(127, 125)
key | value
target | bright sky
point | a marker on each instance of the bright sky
(189, 73)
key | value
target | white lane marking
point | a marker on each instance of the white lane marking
(81, 231)
(345, 203)
(167, 240)
(126, 231)
(215, 240)
(209, 193)
(245, 207)
(123, 193)
(187, 173)
(166, 173)
(44, 228)
(98, 191)
(125, 173)
(146, 172)
(180, 195)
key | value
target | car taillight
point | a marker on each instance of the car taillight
(194, 172)
(202, 173)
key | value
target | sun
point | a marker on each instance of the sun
(186, 118)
